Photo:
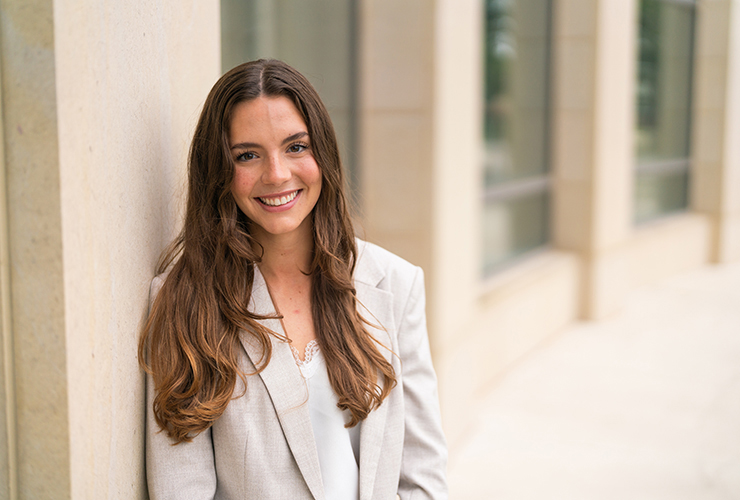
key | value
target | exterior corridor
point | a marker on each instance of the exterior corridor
(643, 405)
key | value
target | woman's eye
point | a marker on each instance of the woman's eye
(297, 148)
(246, 156)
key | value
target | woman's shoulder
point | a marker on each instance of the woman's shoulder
(156, 285)
(370, 253)
(376, 265)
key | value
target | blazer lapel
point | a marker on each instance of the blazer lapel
(287, 388)
(376, 306)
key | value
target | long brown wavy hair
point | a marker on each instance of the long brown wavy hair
(190, 342)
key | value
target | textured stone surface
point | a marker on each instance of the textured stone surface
(131, 78)
(35, 250)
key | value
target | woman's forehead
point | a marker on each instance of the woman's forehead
(265, 118)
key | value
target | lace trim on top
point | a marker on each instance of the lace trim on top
(312, 359)
(312, 349)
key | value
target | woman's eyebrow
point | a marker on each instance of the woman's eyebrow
(249, 145)
(294, 137)
(245, 145)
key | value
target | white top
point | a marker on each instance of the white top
(338, 447)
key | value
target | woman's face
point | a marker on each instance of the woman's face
(276, 179)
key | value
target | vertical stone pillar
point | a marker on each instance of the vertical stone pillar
(38, 449)
(716, 154)
(8, 447)
(131, 79)
(421, 193)
(457, 199)
(99, 100)
(420, 107)
(457, 180)
(396, 133)
(593, 123)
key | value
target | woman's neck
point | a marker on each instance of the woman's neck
(286, 255)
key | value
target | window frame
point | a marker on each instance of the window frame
(531, 185)
(669, 166)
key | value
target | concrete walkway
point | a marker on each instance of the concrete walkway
(645, 405)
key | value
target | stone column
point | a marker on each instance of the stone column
(593, 122)
(716, 153)
(420, 106)
(396, 134)
(99, 102)
(35, 454)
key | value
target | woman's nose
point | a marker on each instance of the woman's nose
(276, 172)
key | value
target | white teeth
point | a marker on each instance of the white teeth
(276, 202)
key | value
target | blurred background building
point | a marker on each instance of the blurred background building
(539, 159)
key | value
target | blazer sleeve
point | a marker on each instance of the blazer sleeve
(185, 471)
(424, 460)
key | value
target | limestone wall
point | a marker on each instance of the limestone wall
(99, 102)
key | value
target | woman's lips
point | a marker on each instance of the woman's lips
(280, 202)
(276, 201)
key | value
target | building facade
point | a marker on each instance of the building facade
(538, 158)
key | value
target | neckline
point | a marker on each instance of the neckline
(311, 358)
(309, 353)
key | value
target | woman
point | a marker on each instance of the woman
(287, 359)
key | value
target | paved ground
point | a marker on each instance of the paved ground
(645, 405)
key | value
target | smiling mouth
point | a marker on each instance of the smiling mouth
(278, 201)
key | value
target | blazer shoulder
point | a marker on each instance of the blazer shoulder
(377, 266)
(155, 286)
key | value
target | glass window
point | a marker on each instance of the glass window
(516, 114)
(666, 40)
(314, 36)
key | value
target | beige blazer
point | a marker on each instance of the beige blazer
(263, 448)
